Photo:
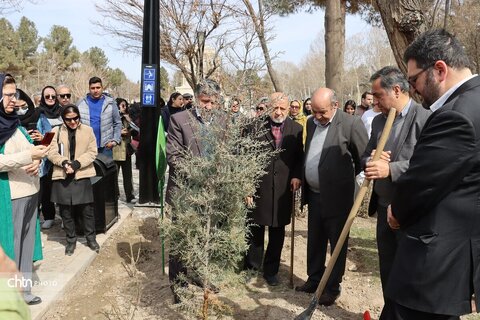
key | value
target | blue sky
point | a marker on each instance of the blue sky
(295, 33)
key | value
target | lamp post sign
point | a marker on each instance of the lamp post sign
(149, 78)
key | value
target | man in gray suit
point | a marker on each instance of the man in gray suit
(335, 141)
(390, 90)
(184, 132)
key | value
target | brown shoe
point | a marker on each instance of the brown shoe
(327, 299)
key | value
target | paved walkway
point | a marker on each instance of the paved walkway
(56, 272)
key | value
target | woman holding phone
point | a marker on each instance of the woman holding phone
(50, 117)
(73, 150)
(19, 186)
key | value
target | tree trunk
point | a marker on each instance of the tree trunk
(334, 44)
(404, 21)
(258, 22)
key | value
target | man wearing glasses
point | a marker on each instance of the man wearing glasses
(436, 204)
(64, 95)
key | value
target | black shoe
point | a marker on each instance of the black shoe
(93, 245)
(308, 287)
(327, 299)
(70, 248)
(272, 280)
(35, 300)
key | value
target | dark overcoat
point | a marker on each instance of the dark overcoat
(437, 203)
(273, 198)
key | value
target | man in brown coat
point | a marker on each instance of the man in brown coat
(273, 198)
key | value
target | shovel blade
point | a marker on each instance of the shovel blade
(307, 313)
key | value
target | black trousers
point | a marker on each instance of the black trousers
(85, 215)
(254, 258)
(48, 207)
(322, 230)
(387, 241)
(394, 311)
(126, 167)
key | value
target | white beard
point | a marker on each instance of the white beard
(278, 120)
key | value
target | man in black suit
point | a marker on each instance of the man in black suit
(437, 201)
(335, 141)
(390, 90)
(273, 198)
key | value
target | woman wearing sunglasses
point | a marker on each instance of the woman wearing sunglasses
(50, 117)
(74, 148)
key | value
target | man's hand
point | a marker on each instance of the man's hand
(378, 169)
(391, 220)
(249, 201)
(295, 184)
(385, 156)
(32, 169)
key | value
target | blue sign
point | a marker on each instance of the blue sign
(149, 74)
(148, 86)
(148, 99)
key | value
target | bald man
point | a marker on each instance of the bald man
(335, 142)
(273, 198)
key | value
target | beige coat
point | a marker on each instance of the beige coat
(85, 152)
(17, 155)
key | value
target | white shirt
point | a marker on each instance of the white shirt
(441, 101)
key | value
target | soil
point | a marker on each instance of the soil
(108, 290)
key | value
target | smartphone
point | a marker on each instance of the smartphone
(31, 126)
(47, 138)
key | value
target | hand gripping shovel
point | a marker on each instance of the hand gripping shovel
(307, 313)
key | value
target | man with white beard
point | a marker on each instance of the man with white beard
(273, 198)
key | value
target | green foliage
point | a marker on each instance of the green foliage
(58, 46)
(164, 82)
(115, 78)
(210, 224)
(97, 57)
(8, 48)
(28, 44)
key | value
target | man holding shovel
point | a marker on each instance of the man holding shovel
(436, 204)
(390, 89)
(335, 141)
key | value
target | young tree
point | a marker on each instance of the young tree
(209, 228)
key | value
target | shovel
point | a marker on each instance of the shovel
(307, 313)
(292, 240)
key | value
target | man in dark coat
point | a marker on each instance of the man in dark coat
(183, 136)
(436, 268)
(390, 90)
(335, 142)
(273, 198)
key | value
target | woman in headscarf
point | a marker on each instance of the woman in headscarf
(307, 107)
(19, 186)
(50, 117)
(75, 149)
(26, 111)
(174, 105)
(296, 113)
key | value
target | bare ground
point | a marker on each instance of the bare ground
(109, 289)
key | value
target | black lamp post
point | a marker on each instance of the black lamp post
(150, 95)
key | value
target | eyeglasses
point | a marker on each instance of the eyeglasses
(66, 95)
(260, 109)
(15, 95)
(71, 119)
(412, 81)
(294, 107)
(50, 96)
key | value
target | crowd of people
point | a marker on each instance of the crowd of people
(47, 154)
(426, 184)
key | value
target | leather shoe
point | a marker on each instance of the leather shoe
(327, 299)
(272, 280)
(93, 245)
(308, 287)
(70, 248)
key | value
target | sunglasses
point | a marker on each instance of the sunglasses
(66, 95)
(71, 119)
(295, 107)
(50, 96)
